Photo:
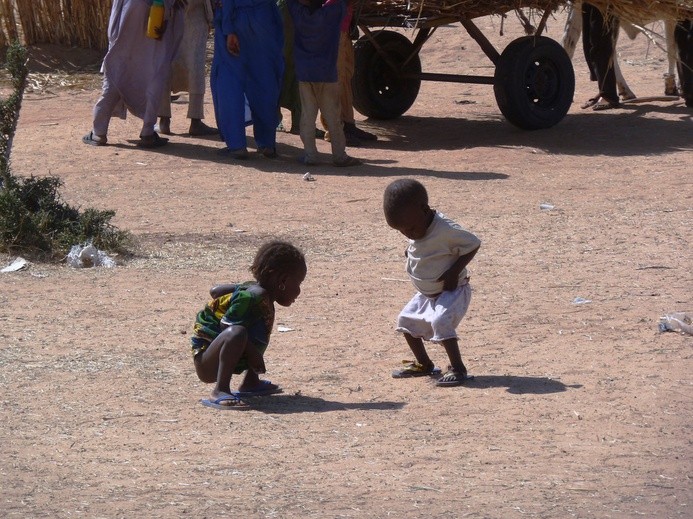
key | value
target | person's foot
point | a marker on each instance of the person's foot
(238, 153)
(224, 401)
(164, 126)
(260, 388)
(200, 129)
(347, 161)
(351, 130)
(605, 104)
(590, 103)
(152, 141)
(270, 153)
(453, 377)
(94, 140)
(411, 369)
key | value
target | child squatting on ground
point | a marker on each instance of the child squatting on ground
(437, 256)
(232, 332)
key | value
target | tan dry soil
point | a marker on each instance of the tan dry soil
(575, 411)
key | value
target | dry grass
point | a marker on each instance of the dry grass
(72, 23)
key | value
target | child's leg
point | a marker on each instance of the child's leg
(328, 102)
(456, 375)
(416, 345)
(309, 113)
(453, 350)
(218, 361)
(413, 325)
(449, 309)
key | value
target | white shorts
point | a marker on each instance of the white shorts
(435, 318)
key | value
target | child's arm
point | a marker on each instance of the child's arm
(450, 277)
(221, 290)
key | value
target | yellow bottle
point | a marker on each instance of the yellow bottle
(156, 19)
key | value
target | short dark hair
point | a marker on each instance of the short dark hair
(277, 256)
(403, 193)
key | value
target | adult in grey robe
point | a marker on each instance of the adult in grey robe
(136, 68)
(188, 70)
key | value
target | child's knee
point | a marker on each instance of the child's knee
(234, 335)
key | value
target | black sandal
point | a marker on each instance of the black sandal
(453, 377)
(152, 141)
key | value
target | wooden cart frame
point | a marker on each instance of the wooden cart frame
(533, 80)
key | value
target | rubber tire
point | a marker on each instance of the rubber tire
(534, 83)
(379, 91)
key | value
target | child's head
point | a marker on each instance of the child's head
(280, 268)
(405, 204)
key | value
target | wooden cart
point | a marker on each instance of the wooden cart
(533, 81)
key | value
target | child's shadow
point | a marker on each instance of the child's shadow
(289, 404)
(519, 385)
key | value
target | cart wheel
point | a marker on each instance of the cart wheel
(534, 83)
(379, 91)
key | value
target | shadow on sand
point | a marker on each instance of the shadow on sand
(520, 385)
(290, 404)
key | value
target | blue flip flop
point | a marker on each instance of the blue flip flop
(225, 402)
(264, 388)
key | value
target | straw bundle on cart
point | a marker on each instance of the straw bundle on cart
(632, 10)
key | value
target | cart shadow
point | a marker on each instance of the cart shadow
(621, 132)
(291, 404)
(520, 385)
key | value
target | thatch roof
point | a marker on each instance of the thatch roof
(644, 11)
(639, 11)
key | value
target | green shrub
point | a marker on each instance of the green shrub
(33, 218)
(34, 221)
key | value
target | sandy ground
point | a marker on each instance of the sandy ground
(577, 410)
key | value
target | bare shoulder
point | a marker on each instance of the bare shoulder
(257, 290)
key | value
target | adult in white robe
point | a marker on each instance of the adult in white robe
(136, 68)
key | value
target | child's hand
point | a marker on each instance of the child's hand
(232, 45)
(450, 280)
(161, 30)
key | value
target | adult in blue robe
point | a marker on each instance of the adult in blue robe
(248, 64)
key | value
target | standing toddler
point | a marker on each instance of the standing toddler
(437, 257)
